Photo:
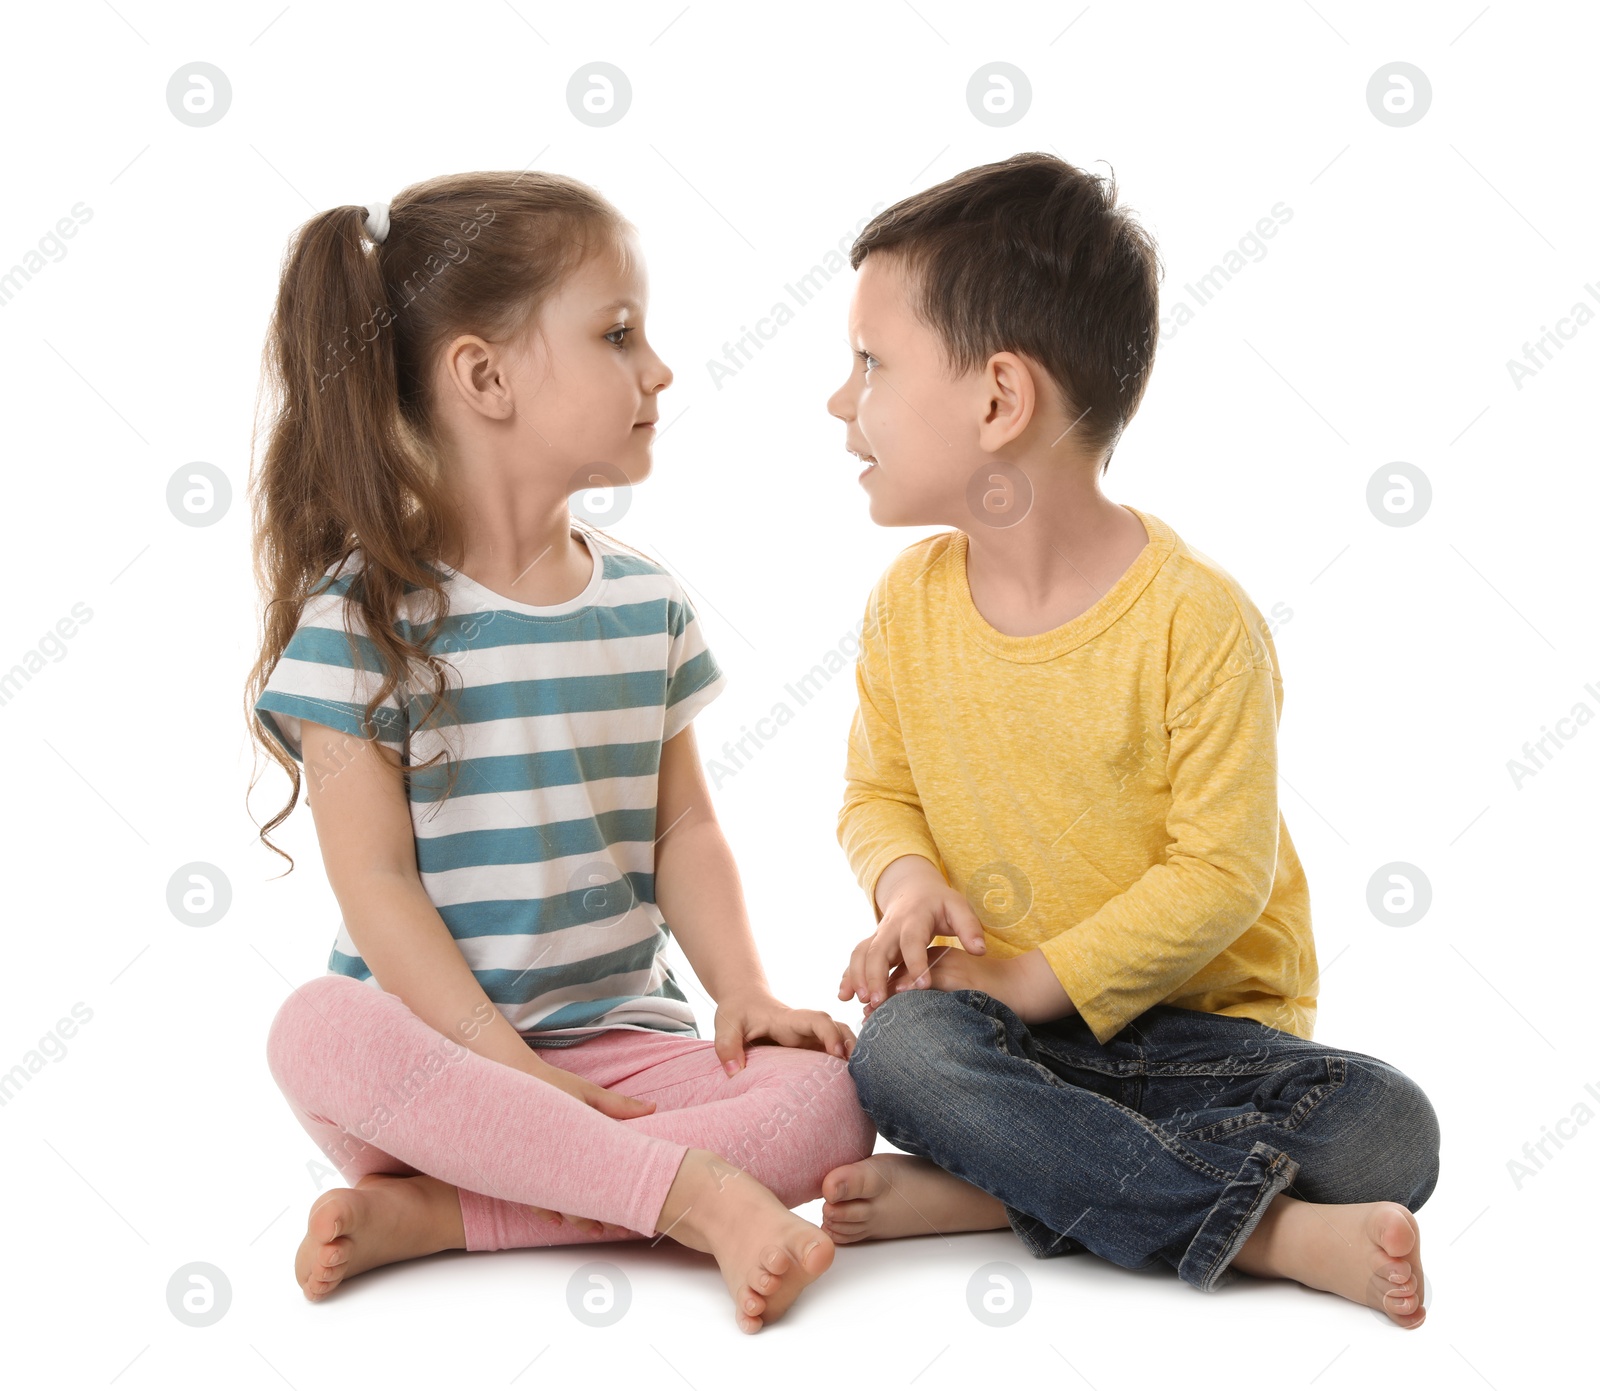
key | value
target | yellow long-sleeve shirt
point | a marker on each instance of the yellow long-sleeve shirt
(1106, 791)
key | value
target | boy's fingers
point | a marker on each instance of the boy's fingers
(872, 974)
(964, 924)
(914, 954)
(876, 973)
(856, 976)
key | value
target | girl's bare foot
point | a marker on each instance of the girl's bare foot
(766, 1253)
(384, 1218)
(892, 1195)
(1370, 1253)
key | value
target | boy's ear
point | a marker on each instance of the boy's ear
(1009, 396)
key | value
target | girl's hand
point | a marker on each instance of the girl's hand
(759, 1015)
(605, 1101)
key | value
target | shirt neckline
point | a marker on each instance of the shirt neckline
(1053, 642)
(582, 600)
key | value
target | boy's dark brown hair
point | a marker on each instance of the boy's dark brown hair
(1032, 255)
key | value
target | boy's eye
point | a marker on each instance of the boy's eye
(619, 343)
(868, 362)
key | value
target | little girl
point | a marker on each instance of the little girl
(498, 1054)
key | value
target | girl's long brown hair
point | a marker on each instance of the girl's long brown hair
(352, 458)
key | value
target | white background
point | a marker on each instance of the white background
(1417, 660)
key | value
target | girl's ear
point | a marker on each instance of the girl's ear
(476, 371)
(1009, 396)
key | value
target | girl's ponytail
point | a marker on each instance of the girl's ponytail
(338, 472)
(352, 459)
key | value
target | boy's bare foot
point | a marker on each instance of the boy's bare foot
(1368, 1252)
(766, 1253)
(384, 1218)
(892, 1195)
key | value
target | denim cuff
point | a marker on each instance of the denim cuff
(1265, 1173)
(1038, 1238)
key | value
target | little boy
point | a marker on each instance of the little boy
(1062, 776)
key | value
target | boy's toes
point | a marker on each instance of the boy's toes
(1407, 1305)
(1405, 1310)
(848, 1181)
(1392, 1294)
(843, 1222)
(847, 1210)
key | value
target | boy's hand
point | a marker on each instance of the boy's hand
(917, 907)
(950, 968)
(758, 1015)
(1025, 983)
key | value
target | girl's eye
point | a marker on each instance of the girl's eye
(623, 342)
(868, 362)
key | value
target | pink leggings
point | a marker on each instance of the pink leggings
(359, 1068)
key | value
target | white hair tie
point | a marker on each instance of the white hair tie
(377, 223)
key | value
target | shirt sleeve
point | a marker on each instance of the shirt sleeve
(881, 818)
(694, 679)
(1222, 825)
(327, 674)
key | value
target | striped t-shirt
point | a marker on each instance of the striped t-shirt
(541, 860)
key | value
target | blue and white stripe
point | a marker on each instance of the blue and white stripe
(541, 861)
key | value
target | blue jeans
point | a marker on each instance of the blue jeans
(1166, 1143)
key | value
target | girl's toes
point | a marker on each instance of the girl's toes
(775, 1262)
(818, 1256)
